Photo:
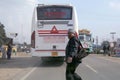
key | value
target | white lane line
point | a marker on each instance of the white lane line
(109, 60)
(28, 74)
(91, 68)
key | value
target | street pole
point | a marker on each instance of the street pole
(113, 33)
(112, 45)
(97, 44)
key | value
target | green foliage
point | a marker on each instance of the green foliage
(2, 34)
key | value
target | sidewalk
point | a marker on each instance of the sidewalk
(18, 54)
(19, 64)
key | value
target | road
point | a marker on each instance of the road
(93, 67)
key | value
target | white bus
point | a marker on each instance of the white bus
(49, 29)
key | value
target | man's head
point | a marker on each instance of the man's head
(71, 33)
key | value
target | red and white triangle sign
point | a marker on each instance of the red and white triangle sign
(54, 30)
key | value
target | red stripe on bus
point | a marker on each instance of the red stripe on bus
(42, 35)
(49, 31)
(54, 34)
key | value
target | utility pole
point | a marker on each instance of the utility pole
(96, 44)
(112, 45)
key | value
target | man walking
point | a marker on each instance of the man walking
(71, 51)
(9, 50)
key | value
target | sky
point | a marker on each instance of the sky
(101, 17)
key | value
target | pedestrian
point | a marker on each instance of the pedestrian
(71, 51)
(9, 50)
(3, 50)
(106, 49)
(14, 51)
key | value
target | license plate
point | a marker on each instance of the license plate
(54, 54)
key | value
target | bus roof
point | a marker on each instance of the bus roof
(84, 31)
(39, 5)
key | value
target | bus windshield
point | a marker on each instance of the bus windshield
(88, 37)
(54, 13)
(81, 38)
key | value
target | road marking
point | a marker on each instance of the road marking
(109, 60)
(91, 68)
(24, 77)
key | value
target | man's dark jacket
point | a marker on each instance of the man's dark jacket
(72, 47)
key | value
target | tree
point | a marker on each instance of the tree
(2, 34)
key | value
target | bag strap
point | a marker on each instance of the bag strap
(78, 41)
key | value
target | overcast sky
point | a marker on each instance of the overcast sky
(99, 16)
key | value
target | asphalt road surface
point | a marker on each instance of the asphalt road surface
(93, 67)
